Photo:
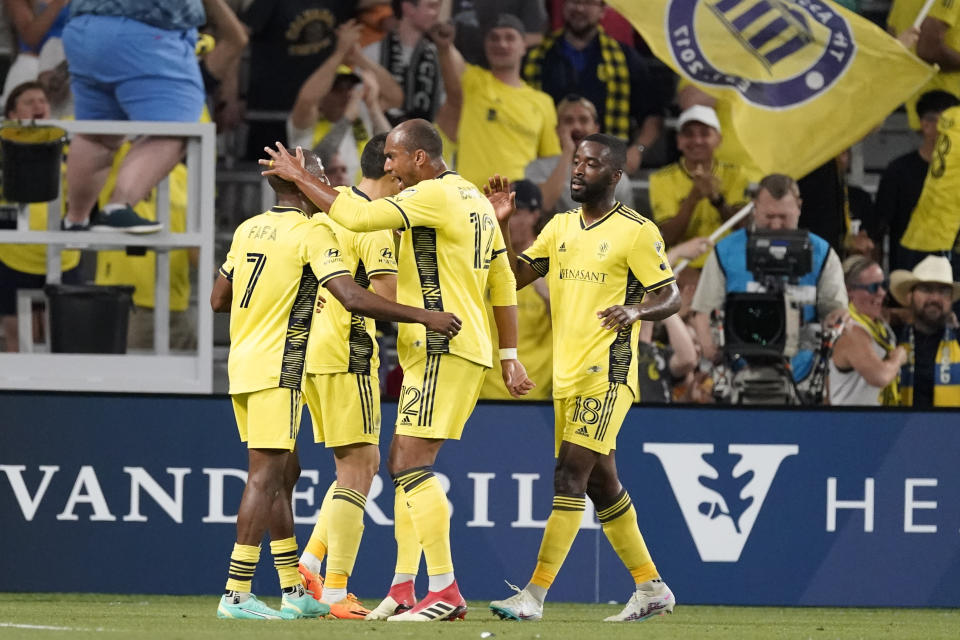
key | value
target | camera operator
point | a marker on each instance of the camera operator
(821, 291)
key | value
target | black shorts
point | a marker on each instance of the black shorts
(11, 280)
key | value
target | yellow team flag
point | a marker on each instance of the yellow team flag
(805, 79)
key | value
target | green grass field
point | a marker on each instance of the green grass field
(28, 615)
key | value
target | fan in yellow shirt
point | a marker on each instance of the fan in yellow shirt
(278, 260)
(504, 123)
(935, 221)
(692, 197)
(938, 43)
(451, 246)
(607, 270)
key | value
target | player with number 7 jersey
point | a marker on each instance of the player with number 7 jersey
(278, 260)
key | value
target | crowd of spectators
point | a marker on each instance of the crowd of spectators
(513, 87)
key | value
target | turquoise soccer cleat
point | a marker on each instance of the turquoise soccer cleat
(249, 609)
(302, 606)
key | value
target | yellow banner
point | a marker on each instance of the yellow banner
(804, 80)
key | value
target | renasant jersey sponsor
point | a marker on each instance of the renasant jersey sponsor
(613, 261)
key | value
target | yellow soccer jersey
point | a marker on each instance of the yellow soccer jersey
(935, 220)
(116, 267)
(502, 128)
(902, 14)
(32, 258)
(341, 342)
(671, 185)
(277, 262)
(613, 261)
(451, 245)
(947, 11)
(534, 348)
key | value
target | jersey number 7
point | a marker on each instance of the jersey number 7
(259, 261)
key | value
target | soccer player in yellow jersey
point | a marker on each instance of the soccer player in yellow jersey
(279, 259)
(451, 246)
(606, 269)
(342, 392)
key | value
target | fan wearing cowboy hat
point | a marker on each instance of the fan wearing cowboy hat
(931, 376)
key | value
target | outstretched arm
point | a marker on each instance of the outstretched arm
(498, 193)
(451, 70)
(290, 168)
(656, 305)
(356, 299)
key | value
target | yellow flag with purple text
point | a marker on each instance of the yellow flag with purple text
(804, 79)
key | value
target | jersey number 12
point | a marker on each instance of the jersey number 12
(481, 252)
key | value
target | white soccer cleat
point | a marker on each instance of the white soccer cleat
(646, 604)
(521, 606)
(400, 598)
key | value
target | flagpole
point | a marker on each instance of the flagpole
(923, 13)
(722, 229)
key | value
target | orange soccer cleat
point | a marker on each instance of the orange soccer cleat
(312, 582)
(349, 609)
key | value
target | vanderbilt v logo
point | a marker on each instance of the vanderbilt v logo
(720, 493)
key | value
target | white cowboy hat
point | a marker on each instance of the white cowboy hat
(931, 269)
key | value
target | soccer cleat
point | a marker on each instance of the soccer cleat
(124, 219)
(521, 606)
(350, 608)
(302, 606)
(312, 582)
(447, 604)
(645, 604)
(249, 609)
(400, 598)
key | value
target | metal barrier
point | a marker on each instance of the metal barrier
(161, 372)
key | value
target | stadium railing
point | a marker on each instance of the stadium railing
(162, 371)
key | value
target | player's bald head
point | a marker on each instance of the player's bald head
(418, 134)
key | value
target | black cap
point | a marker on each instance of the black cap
(507, 20)
(528, 194)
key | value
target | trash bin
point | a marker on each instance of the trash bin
(88, 318)
(31, 162)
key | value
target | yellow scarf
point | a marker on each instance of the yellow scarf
(613, 72)
(882, 335)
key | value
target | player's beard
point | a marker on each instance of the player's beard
(588, 193)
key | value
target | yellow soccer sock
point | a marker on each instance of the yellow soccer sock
(345, 529)
(558, 536)
(285, 561)
(427, 504)
(243, 561)
(408, 546)
(619, 521)
(317, 544)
